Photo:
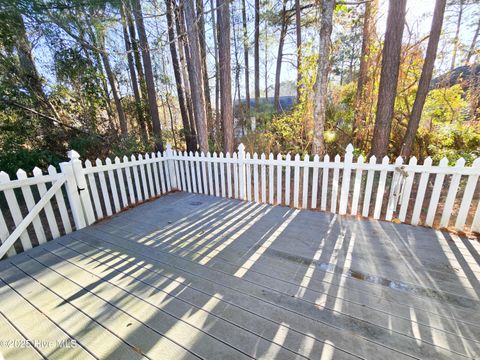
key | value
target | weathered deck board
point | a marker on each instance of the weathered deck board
(190, 276)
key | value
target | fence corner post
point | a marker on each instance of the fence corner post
(72, 194)
(241, 171)
(171, 167)
(82, 186)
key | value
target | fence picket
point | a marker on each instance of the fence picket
(204, 173)
(17, 216)
(394, 189)
(30, 202)
(183, 175)
(436, 192)
(264, 178)
(155, 163)
(235, 175)
(121, 182)
(336, 174)
(407, 189)
(192, 172)
(271, 178)
(323, 200)
(103, 187)
(62, 208)
(163, 175)
(167, 171)
(288, 164)
(113, 186)
(128, 177)
(452, 194)
(229, 174)
(148, 166)
(219, 184)
(143, 178)
(381, 189)
(248, 177)
(357, 185)
(94, 191)
(198, 173)
(296, 181)
(476, 220)
(136, 178)
(422, 187)
(241, 172)
(306, 170)
(210, 176)
(467, 197)
(279, 179)
(315, 181)
(42, 190)
(347, 172)
(255, 177)
(368, 188)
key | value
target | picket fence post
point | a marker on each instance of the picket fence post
(73, 196)
(82, 187)
(171, 167)
(241, 171)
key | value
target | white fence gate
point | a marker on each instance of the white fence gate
(43, 207)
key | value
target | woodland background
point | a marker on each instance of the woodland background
(117, 77)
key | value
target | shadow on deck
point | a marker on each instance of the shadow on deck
(192, 276)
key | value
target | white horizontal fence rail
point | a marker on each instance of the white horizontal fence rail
(42, 207)
(419, 194)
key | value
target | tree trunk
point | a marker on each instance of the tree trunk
(223, 17)
(278, 71)
(365, 81)
(133, 76)
(149, 79)
(456, 39)
(218, 125)
(184, 55)
(425, 78)
(191, 145)
(195, 73)
(257, 54)
(203, 54)
(245, 55)
(298, 28)
(471, 51)
(320, 87)
(388, 77)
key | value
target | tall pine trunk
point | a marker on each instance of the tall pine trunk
(388, 77)
(133, 75)
(471, 51)
(256, 54)
(365, 82)
(245, 55)
(278, 70)
(223, 17)
(191, 145)
(456, 39)
(149, 79)
(425, 78)
(298, 33)
(195, 73)
(321, 84)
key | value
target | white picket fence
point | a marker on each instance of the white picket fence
(438, 196)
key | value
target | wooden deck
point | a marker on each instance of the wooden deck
(191, 276)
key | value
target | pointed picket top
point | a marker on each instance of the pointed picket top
(185, 153)
(88, 163)
(337, 158)
(196, 153)
(140, 157)
(132, 158)
(37, 171)
(476, 162)
(306, 158)
(215, 154)
(152, 155)
(159, 154)
(73, 155)
(297, 157)
(235, 156)
(190, 154)
(262, 156)
(288, 157)
(247, 156)
(227, 154)
(361, 159)
(220, 155)
(98, 162)
(125, 158)
(326, 158)
(443, 162)
(349, 149)
(316, 158)
(460, 162)
(116, 160)
(385, 160)
(413, 161)
(241, 147)
(399, 161)
(147, 157)
(52, 170)
(21, 174)
(279, 156)
(202, 154)
(209, 155)
(4, 177)
(108, 161)
(373, 159)
(270, 156)
(428, 161)
(255, 156)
